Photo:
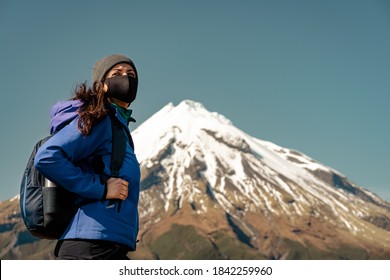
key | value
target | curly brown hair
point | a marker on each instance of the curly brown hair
(95, 105)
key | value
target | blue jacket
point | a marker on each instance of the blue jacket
(66, 160)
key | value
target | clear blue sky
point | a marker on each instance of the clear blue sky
(309, 75)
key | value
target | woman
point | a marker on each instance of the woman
(106, 223)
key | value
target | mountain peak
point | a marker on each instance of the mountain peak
(191, 105)
(181, 123)
(192, 109)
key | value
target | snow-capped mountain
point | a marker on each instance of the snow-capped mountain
(211, 191)
(198, 167)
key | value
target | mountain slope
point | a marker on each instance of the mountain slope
(211, 191)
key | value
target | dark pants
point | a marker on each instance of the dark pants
(79, 249)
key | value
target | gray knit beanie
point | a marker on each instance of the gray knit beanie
(104, 65)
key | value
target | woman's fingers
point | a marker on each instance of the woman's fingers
(117, 188)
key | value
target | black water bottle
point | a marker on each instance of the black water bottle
(51, 202)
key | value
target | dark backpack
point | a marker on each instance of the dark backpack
(47, 209)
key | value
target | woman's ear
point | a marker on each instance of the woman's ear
(105, 87)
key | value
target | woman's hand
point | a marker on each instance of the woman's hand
(117, 188)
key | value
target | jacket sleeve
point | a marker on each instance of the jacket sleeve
(55, 159)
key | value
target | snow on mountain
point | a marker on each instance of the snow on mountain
(191, 155)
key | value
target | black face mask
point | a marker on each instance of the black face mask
(123, 88)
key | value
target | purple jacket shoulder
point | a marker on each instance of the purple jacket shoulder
(62, 113)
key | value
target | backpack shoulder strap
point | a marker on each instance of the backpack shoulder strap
(118, 146)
